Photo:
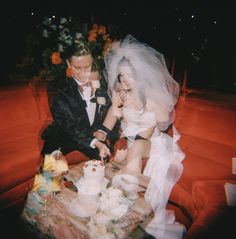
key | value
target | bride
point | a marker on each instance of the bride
(143, 97)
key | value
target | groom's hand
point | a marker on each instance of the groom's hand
(104, 151)
(101, 136)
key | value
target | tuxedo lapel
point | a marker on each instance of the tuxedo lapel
(97, 116)
(80, 103)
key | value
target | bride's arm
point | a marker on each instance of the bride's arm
(114, 112)
(110, 120)
(107, 126)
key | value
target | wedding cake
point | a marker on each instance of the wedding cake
(89, 187)
(94, 169)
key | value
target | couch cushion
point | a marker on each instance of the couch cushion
(218, 152)
(200, 168)
(18, 133)
(16, 195)
(76, 157)
(19, 161)
(208, 121)
(211, 192)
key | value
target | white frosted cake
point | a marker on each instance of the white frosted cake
(89, 187)
(86, 203)
(94, 169)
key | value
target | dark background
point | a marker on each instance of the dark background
(197, 35)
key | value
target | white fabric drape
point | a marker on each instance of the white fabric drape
(163, 167)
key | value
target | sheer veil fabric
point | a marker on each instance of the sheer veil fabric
(152, 76)
(164, 165)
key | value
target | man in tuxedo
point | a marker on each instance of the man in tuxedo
(78, 109)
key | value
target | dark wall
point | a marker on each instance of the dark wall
(207, 49)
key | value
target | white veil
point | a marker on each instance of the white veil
(151, 74)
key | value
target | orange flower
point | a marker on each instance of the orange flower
(92, 36)
(68, 72)
(106, 48)
(105, 37)
(95, 27)
(56, 58)
(102, 30)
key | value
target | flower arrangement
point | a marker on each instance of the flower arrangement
(45, 47)
(49, 179)
(112, 207)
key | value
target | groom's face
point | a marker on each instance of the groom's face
(81, 67)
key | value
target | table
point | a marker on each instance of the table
(51, 217)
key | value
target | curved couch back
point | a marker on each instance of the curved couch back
(24, 114)
(208, 138)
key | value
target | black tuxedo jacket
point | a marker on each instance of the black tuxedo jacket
(71, 124)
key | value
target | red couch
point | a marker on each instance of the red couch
(198, 198)
(206, 122)
(24, 114)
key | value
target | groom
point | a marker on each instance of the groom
(79, 108)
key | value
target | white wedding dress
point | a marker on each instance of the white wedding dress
(164, 168)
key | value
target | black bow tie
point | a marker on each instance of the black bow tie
(93, 100)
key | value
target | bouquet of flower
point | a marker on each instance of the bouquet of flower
(51, 39)
(112, 208)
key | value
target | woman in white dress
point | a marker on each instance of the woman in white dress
(143, 97)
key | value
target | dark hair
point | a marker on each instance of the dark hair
(95, 66)
(142, 97)
(77, 49)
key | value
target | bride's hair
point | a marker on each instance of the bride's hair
(125, 62)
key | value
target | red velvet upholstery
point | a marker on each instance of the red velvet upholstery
(24, 114)
(211, 193)
(208, 139)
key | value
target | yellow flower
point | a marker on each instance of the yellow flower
(49, 163)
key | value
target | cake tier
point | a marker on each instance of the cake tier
(94, 169)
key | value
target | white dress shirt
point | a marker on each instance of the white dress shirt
(91, 106)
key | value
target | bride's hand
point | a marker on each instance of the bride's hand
(116, 100)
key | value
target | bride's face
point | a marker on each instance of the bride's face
(127, 96)
(126, 77)
(123, 93)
